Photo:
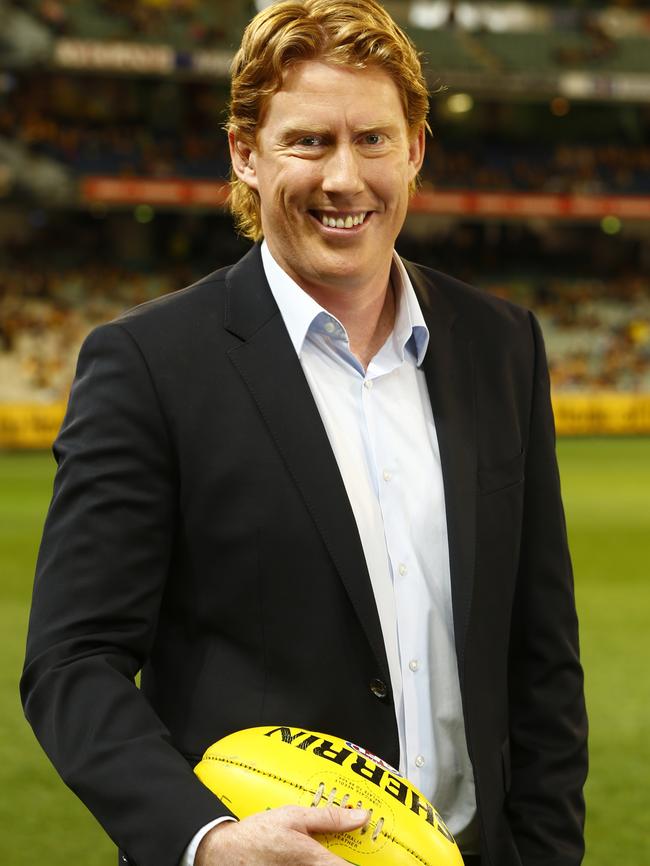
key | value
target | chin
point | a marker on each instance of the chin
(343, 270)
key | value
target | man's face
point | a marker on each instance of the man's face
(332, 164)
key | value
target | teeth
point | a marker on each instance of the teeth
(340, 223)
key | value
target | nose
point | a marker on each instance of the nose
(342, 174)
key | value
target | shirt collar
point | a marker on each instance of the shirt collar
(409, 322)
(299, 310)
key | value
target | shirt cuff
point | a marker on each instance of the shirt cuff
(190, 851)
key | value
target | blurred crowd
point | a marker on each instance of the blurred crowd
(592, 298)
(159, 129)
(597, 332)
(45, 315)
(196, 22)
(64, 272)
(577, 168)
(188, 24)
(110, 128)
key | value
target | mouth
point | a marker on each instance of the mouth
(341, 221)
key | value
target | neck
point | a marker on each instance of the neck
(368, 317)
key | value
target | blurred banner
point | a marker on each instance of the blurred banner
(214, 193)
(606, 413)
(35, 425)
(25, 425)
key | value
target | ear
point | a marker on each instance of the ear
(243, 160)
(416, 151)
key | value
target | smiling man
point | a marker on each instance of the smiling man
(333, 171)
(318, 488)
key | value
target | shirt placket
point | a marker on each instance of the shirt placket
(408, 588)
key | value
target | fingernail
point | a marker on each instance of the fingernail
(358, 814)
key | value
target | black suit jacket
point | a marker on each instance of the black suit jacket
(200, 531)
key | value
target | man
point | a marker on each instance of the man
(317, 488)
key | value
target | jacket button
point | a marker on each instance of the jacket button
(378, 688)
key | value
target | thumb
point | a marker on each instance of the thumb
(333, 819)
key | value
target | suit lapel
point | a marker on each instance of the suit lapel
(269, 367)
(449, 370)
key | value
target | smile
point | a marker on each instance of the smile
(339, 220)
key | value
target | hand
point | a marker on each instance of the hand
(279, 836)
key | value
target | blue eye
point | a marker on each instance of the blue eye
(310, 141)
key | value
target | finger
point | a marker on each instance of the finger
(331, 819)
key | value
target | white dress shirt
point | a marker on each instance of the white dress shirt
(382, 432)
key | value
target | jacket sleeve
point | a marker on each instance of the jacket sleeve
(99, 583)
(548, 723)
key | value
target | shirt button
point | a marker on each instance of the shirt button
(419, 761)
(402, 568)
(367, 384)
(330, 327)
(414, 665)
(387, 475)
(378, 688)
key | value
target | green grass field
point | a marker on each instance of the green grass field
(607, 497)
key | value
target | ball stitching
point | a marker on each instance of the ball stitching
(299, 787)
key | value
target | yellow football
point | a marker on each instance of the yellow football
(262, 768)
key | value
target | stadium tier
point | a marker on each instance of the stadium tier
(589, 290)
(535, 186)
(59, 131)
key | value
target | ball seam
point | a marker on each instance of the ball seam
(286, 781)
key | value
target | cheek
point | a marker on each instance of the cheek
(293, 183)
(390, 179)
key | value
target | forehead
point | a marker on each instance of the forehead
(318, 92)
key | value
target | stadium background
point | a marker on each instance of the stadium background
(536, 187)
